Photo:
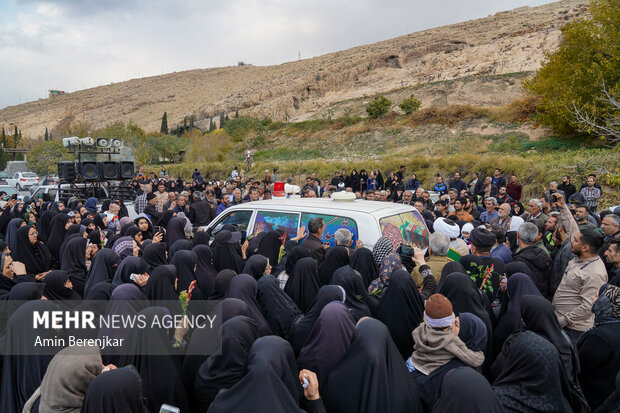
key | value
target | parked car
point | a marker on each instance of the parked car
(22, 180)
(9, 191)
(4, 175)
(367, 220)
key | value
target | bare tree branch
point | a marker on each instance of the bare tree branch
(607, 126)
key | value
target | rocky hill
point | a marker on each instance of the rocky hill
(465, 54)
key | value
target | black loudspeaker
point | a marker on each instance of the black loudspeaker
(127, 169)
(109, 170)
(89, 170)
(66, 171)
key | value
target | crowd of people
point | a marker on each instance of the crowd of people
(514, 307)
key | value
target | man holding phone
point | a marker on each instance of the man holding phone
(583, 277)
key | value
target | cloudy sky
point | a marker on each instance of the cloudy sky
(77, 44)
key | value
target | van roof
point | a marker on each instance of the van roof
(370, 207)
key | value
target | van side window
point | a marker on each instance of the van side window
(332, 224)
(267, 221)
(239, 218)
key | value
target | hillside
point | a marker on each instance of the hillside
(465, 53)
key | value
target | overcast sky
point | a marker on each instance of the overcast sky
(77, 44)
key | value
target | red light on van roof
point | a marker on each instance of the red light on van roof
(278, 189)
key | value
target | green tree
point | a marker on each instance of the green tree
(410, 105)
(4, 157)
(237, 114)
(191, 122)
(164, 148)
(378, 107)
(588, 59)
(133, 137)
(3, 138)
(222, 120)
(211, 125)
(164, 124)
(47, 135)
(44, 157)
(15, 138)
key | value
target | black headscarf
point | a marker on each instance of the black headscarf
(126, 300)
(117, 390)
(511, 236)
(11, 232)
(472, 332)
(143, 344)
(22, 374)
(166, 216)
(363, 262)
(154, 254)
(223, 371)
(160, 286)
(329, 340)
(102, 269)
(303, 284)
(74, 263)
(401, 309)
(201, 238)
(222, 281)
(278, 308)
(55, 288)
(538, 315)
(185, 261)
(293, 256)
(244, 287)
(56, 237)
(175, 230)
(518, 286)
(256, 266)
(352, 284)
(270, 385)
(179, 245)
(303, 327)
(371, 376)
(95, 238)
(515, 267)
(232, 307)
(531, 379)
(226, 257)
(270, 246)
(205, 270)
(464, 390)
(128, 266)
(36, 257)
(44, 224)
(335, 258)
(449, 268)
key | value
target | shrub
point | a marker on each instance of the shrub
(378, 107)
(410, 105)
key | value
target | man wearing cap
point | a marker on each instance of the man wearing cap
(583, 277)
(151, 208)
(458, 247)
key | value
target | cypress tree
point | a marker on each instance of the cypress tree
(164, 124)
(3, 138)
(211, 125)
(237, 114)
(47, 135)
(191, 122)
(15, 137)
(184, 124)
(222, 121)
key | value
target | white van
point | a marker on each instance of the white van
(367, 220)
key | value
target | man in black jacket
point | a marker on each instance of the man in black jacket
(458, 184)
(538, 261)
(313, 242)
(201, 211)
(151, 208)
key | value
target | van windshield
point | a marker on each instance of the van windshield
(406, 228)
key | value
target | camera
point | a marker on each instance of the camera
(552, 191)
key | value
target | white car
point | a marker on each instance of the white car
(22, 180)
(367, 220)
(9, 191)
